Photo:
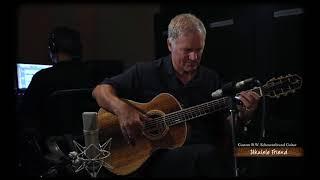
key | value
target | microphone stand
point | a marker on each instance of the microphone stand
(233, 112)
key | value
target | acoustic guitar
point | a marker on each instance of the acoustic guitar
(167, 126)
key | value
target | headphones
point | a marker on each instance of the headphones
(51, 43)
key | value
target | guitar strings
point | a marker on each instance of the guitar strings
(183, 115)
(186, 113)
(168, 117)
(197, 111)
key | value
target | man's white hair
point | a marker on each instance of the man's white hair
(185, 23)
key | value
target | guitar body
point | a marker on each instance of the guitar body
(126, 158)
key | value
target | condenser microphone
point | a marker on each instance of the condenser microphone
(231, 88)
(91, 134)
(91, 157)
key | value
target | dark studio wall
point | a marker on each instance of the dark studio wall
(121, 31)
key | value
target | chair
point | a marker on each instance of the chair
(64, 111)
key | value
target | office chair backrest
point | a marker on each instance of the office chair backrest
(64, 111)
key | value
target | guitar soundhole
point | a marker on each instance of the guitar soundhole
(156, 127)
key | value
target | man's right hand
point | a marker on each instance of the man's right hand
(130, 119)
(131, 122)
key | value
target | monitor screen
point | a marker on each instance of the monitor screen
(25, 72)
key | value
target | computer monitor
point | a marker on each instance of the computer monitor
(25, 72)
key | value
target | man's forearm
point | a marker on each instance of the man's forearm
(107, 99)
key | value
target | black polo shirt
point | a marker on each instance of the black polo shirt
(143, 81)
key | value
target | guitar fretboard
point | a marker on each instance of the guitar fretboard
(196, 111)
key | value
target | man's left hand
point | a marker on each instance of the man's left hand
(250, 101)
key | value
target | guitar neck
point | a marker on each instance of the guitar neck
(201, 109)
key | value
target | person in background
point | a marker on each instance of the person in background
(68, 72)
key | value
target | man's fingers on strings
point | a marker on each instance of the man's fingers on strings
(125, 134)
(143, 119)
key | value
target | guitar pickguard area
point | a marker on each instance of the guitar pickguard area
(156, 128)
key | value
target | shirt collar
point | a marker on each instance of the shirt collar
(171, 72)
(169, 65)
